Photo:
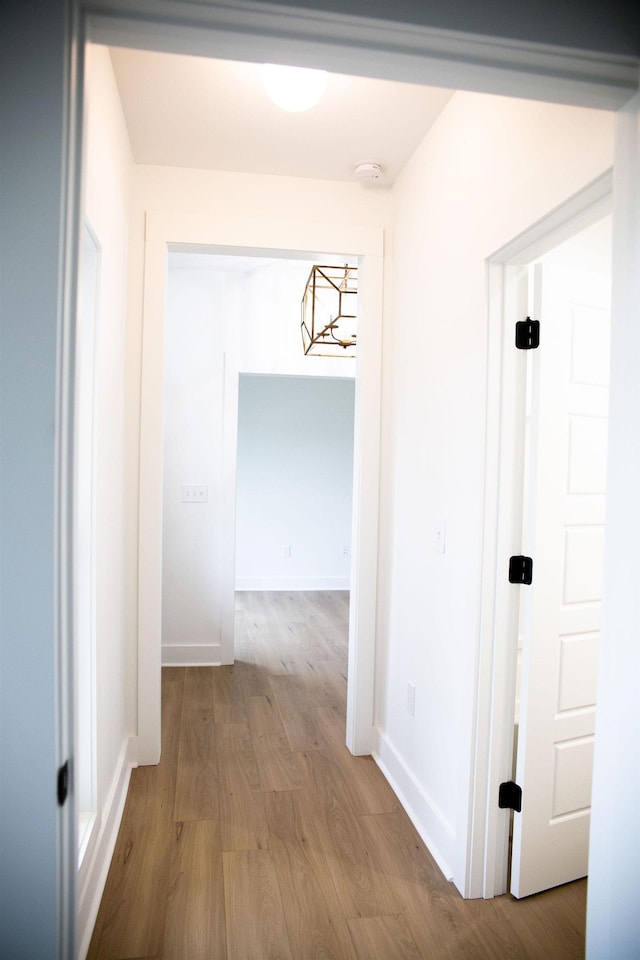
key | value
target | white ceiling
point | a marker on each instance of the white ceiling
(215, 114)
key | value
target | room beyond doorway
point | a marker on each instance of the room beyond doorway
(294, 483)
(227, 314)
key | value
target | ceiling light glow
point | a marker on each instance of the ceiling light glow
(294, 88)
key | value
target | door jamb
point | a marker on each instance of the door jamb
(495, 698)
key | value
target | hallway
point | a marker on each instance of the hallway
(259, 835)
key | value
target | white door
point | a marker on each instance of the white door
(561, 618)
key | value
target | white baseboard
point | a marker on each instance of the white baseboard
(292, 583)
(434, 829)
(191, 655)
(92, 874)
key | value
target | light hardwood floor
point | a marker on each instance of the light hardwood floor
(259, 836)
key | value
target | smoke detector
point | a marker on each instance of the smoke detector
(368, 171)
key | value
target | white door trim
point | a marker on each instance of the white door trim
(613, 919)
(367, 46)
(245, 234)
(488, 842)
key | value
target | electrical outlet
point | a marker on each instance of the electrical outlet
(195, 493)
(346, 551)
(286, 551)
(411, 699)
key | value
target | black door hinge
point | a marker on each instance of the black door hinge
(510, 796)
(520, 569)
(63, 783)
(527, 334)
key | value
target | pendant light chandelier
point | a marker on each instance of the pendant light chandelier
(329, 312)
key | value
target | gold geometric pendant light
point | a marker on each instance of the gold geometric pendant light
(329, 312)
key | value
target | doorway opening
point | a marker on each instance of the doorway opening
(224, 236)
(287, 437)
(294, 482)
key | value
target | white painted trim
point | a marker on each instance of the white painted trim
(230, 390)
(150, 506)
(64, 492)
(365, 46)
(434, 829)
(85, 687)
(495, 703)
(498, 615)
(613, 918)
(165, 228)
(191, 654)
(92, 876)
(292, 583)
(366, 504)
(249, 235)
(577, 213)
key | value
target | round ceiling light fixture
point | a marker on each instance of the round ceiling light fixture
(368, 171)
(294, 88)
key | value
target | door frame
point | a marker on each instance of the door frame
(245, 236)
(506, 384)
(250, 31)
(366, 46)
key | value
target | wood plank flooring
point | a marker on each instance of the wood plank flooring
(259, 836)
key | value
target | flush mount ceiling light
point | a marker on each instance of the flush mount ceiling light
(329, 312)
(294, 88)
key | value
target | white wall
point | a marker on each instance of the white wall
(294, 483)
(489, 168)
(107, 203)
(224, 315)
(198, 305)
(224, 193)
